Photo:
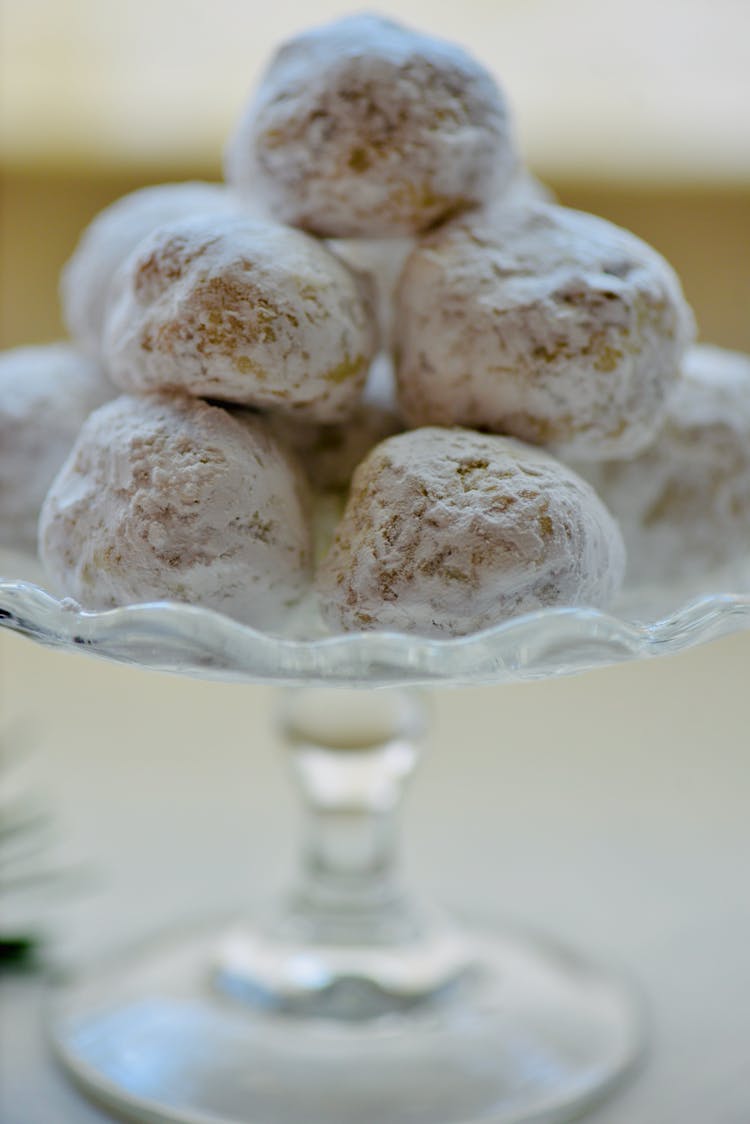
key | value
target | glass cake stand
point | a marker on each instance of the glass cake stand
(352, 1001)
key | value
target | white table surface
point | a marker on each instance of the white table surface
(612, 809)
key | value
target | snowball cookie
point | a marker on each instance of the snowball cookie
(684, 504)
(167, 497)
(112, 235)
(545, 323)
(241, 311)
(363, 127)
(330, 453)
(448, 531)
(46, 394)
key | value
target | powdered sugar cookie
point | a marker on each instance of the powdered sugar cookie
(241, 311)
(112, 235)
(46, 394)
(164, 496)
(363, 127)
(684, 504)
(447, 532)
(541, 322)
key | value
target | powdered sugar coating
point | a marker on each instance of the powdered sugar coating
(329, 454)
(684, 504)
(167, 497)
(542, 322)
(362, 127)
(46, 394)
(447, 532)
(113, 234)
(241, 311)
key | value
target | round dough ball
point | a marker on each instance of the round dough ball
(112, 235)
(330, 453)
(447, 532)
(46, 394)
(167, 497)
(684, 504)
(243, 312)
(541, 322)
(363, 127)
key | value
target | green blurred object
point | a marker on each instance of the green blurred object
(32, 875)
(19, 953)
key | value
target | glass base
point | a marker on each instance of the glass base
(529, 1033)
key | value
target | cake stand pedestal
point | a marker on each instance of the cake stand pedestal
(352, 1001)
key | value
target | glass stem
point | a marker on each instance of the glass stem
(347, 942)
(352, 755)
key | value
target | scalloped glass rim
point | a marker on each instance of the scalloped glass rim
(188, 640)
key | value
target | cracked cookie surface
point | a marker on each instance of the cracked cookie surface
(447, 532)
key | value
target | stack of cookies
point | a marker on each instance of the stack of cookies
(381, 302)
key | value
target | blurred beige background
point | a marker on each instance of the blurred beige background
(611, 808)
(638, 111)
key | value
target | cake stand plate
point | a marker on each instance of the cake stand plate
(187, 640)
